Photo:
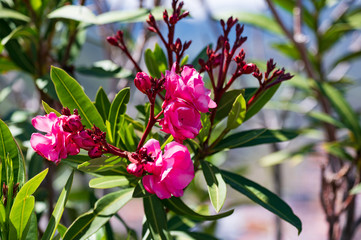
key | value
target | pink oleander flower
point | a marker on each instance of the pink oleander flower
(181, 119)
(143, 82)
(190, 87)
(171, 171)
(57, 144)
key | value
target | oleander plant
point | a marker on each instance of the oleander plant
(191, 112)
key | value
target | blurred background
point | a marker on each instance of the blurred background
(332, 39)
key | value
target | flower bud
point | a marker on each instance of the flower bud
(95, 152)
(135, 169)
(248, 68)
(112, 41)
(143, 82)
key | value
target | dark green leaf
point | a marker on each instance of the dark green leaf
(217, 188)
(255, 137)
(58, 210)
(225, 104)
(32, 232)
(102, 103)
(161, 59)
(263, 197)
(156, 218)
(325, 118)
(237, 113)
(151, 63)
(179, 207)
(139, 191)
(117, 109)
(88, 223)
(260, 101)
(7, 65)
(201, 55)
(206, 125)
(104, 69)
(71, 95)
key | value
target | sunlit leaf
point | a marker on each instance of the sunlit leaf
(109, 182)
(237, 113)
(263, 197)
(217, 188)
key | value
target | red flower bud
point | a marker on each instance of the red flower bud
(143, 82)
(135, 169)
(95, 152)
(112, 41)
(248, 68)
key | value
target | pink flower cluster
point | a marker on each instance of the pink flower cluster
(169, 173)
(185, 98)
(65, 135)
(57, 143)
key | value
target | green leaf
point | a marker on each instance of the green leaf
(7, 65)
(254, 19)
(20, 214)
(217, 188)
(356, 189)
(263, 197)
(139, 191)
(152, 63)
(156, 218)
(2, 213)
(343, 109)
(348, 57)
(88, 223)
(102, 103)
(32, 232)
(125, 16)
(201, 55)
(58, 210)
(102, 164)
(76, 13)
(179, 207)
(8, 13)
(260, 101)
(255, 137)
(72, 96)
(109, 182)
(30, 186)
(237, 113)
(206, 126)
(160, 58)
(117, 108)
(333, 35)
(49, 109)
(325, 118)
(24, 204)
(104, 69)
(226, 103)
(8, 148)
(186, 235)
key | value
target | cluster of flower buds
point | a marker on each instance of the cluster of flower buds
(148, 85)
(65, 135)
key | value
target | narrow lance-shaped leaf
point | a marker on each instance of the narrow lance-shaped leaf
(263, 197)
(255, 137)
(109, 182)
(226, 103)
(237, 113)
(260, 101)
(71, 95)
(90, 222)
(49, 109)
(156, 218)
(102, 103)
(217, 188)
(117, 108)
(344, 110)
(179, 207)
(58, 210)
